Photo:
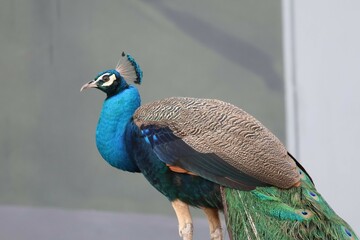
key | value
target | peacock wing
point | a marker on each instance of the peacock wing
(217, 141)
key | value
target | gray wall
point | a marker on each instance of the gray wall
(322, 55)
(229, 50)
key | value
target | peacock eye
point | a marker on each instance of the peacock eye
(105, 78)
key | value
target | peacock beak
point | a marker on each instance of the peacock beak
(90, 84)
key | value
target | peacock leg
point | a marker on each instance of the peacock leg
(184, 218)
(212, 215)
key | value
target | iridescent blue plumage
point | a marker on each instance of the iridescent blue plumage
(113, 122)
(194, 190)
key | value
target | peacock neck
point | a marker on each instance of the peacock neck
(115, 117)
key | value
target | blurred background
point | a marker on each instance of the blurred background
(49, 164)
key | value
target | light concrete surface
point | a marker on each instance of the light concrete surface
(25, 223)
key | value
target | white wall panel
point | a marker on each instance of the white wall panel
(322, 70)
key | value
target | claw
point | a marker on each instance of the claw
(217, 234)
(186, 232)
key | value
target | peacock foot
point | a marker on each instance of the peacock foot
(186, 232)
(216, 235)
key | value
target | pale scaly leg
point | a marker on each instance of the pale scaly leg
(212, 215)
(184, 218)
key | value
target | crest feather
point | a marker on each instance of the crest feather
(129, 69)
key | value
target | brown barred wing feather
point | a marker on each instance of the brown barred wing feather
(238, 140)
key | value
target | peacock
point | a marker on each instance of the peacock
(212, 155)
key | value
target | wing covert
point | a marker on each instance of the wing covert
(173, 151)
(214, 128)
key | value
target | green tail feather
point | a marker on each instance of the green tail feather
(273, 213)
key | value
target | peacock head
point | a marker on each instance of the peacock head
(113, 81)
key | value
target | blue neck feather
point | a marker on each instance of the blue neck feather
(115, 117)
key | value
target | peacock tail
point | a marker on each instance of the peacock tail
(274, 213)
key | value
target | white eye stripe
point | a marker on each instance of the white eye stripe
(112, 78)
(101, 76)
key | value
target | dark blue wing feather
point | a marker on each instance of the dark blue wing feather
(173, 151)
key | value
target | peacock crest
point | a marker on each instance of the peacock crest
(129, 69)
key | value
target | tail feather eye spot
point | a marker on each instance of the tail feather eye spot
(313, 195)
(347, 231)
(305, 214)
